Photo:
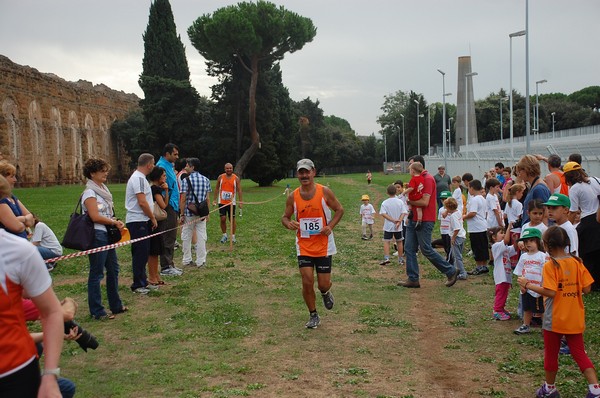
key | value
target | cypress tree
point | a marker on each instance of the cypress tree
(170, 103)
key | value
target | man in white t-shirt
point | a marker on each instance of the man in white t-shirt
(140, 220)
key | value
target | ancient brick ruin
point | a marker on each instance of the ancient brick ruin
(49, 127)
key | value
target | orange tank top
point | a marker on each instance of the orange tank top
(313, 215)
(564, 188)
(227, 189)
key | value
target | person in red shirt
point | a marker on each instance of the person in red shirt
(421, 237)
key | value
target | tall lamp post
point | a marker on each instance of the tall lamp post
(553, 113)
(467, 75)
(450, 120)
(403, 141)
(444, 116)
(429, 130)
(418, 128)
(536, 121)
(515, 34)
(502, 99)
(385, 149)
(527, 105)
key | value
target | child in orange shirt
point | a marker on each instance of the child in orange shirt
(565, 279)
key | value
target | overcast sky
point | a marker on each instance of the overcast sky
(363, 50)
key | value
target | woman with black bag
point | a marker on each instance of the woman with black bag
(97, 202)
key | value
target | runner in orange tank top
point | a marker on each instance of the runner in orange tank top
(229, 190)
(311, 207)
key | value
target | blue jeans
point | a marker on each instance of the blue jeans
(98, 263)
(422, 238)
(46, 253)
(139, 252)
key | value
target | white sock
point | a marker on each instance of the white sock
(550, 387)
(233, 237)
(594, 389)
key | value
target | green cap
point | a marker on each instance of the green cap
(530, 233)
(445, 194)
(558, 199)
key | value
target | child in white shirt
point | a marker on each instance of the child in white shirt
(530, 266)
(457, 236)
(501, 251)
(367, 220)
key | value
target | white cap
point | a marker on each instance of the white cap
(305, 164)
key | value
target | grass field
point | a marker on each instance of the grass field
(236, 328)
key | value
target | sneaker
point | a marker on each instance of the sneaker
(203, 265)
(150, 286)
(523, 329)
(591, 395)
(469, 253)
(462, 276)
(370, 236)
(177, 245)
(479, 270)
(327, 299)
(234, 240)
(364, 237)
(543, 393)
(385, 261)
(141, 290)
(452, 278)
(177, 269)
(313, 322)
(170, 272)
(564, 348)
(223, 239)
(501, 316)
(189, 264)
(400, 261)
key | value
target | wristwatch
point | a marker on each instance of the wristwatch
(54, 372)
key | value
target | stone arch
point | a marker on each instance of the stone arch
(73, 147)
(104, 137)
(88, 137)
(36, 139)
(56, 139)
(12, 141)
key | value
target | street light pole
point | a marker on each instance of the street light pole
(467, 75)
(501, 132)
(444, 116)
(515, 34)
(418, 129)
(429, 130)
(536, 122)
(385, 148)
(450, 120)
(403, 141)
(527, 106)
(553, 113)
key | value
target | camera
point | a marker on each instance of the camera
(86, 340)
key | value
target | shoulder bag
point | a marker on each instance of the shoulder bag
(159, 213)
(199, 209)
(114, 233)
(80, 231)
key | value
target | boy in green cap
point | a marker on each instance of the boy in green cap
(558, 211)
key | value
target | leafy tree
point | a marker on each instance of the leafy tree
(170, 103)
(131, 132)
(252, 34)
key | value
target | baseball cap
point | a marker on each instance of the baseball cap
(531, 233)
(445, 194)
(305, 164)
(558, 199)
(570, 166)
(441, 166)
(365, 197)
